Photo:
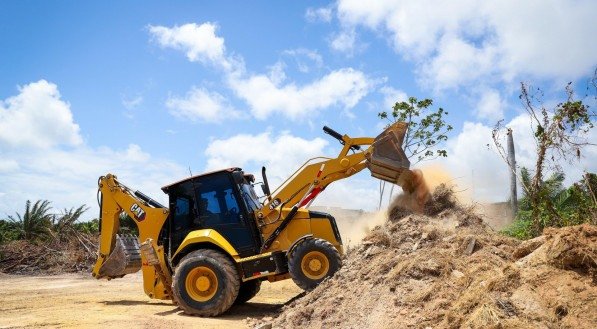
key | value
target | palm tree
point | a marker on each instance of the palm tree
(35, 222)
(65, 224)
(551, 188)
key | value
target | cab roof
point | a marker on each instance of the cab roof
(166, 188)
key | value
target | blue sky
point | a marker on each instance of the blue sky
(148, 89)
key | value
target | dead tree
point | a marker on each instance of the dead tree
(560, 135)
(512, 164)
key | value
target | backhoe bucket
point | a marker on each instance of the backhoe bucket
(388, 161)
(124, 259)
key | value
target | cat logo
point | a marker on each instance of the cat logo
(138, 212)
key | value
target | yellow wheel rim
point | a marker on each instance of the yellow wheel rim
(201, 283)
(315, 265)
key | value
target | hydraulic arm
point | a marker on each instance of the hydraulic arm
(120, 255)
(383, 156)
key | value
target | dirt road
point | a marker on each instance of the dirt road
(79, 301)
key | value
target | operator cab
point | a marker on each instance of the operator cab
(223, 201)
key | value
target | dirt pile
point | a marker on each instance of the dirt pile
(51, 257)
(452, 271)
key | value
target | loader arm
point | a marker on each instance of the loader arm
(114, 257)
(383, 156)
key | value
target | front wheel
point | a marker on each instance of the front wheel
(311, 261)
(205, 283)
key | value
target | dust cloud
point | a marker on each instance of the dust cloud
(361, 226)
(354, 225)
(422, 183)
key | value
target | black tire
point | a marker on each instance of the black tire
(247, 291)
(220, 295)
(302, 275)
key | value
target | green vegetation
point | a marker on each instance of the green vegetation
(90, 227)
(560, 206)
(561, 134)
(37, 223)
(127, 225)
(63, 226)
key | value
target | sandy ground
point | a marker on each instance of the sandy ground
(79, 301)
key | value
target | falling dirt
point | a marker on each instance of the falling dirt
(453, 271)
(79, 301)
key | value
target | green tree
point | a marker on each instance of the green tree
(7, 231)
(127, 225)
(427, 128)
(64, 226)
(35, 223)
(89, 227)
(575, 204)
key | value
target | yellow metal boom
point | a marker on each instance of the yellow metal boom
(316, 174)
(116, 199)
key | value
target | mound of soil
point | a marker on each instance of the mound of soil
(52, 257)
(452, 271)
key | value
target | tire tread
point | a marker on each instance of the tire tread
(231, 286)
(294, 265)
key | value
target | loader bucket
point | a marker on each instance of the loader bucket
(124, 259)
(387, 161)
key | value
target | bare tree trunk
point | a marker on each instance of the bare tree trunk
(512, 164)
(382, 187)
(535, 189)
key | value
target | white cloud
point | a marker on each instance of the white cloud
(199, 42)
(360, 191)
(344, 41)
(305, 59)
(392, 96)
(319, 14)
(490, 106)
(37, 117)
(132, 103)
(68, 178)
(8, 165)
(462, 43)
(199, 104)
(42, 168)
(277, 74)
(483, 173)
(266, 94)
(344, 87)
(458, 63)
(285, 154)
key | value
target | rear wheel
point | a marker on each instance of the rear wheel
(311, 261)
(205, 283)
(247, 291)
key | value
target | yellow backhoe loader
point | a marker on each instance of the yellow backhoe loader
(216, 241)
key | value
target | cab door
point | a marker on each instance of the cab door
(220, 209)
